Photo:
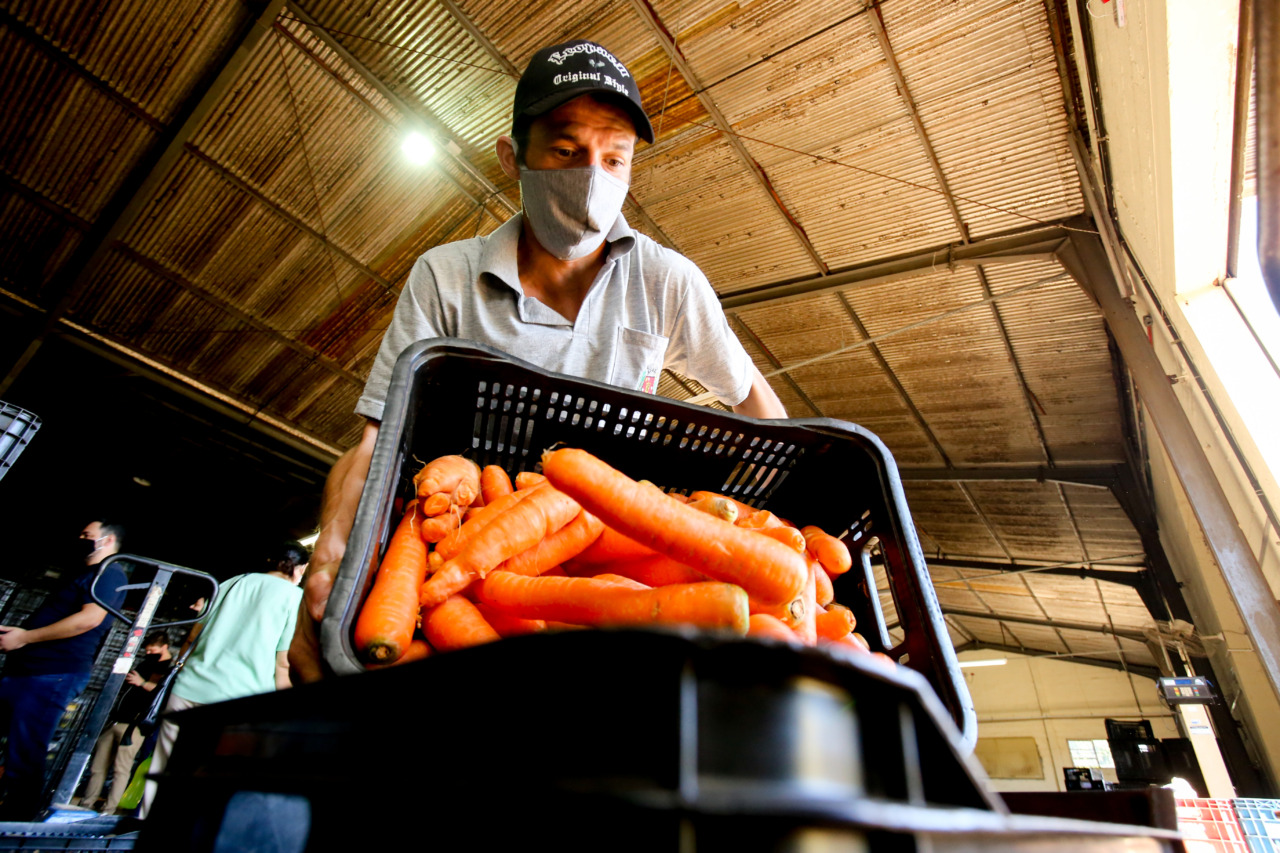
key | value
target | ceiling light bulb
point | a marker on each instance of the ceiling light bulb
(417, 149)
(986, 662)
(141, 481)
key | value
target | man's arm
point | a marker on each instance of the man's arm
(337, 515)
(86, 619)
(282, 671)
(760, 402)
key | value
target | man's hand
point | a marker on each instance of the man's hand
(12, 638)
(337, 514)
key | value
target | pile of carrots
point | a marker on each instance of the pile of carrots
(478, 556)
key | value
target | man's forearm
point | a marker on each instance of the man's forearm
(760, 402)
(341, 497)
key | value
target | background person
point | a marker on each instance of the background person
(566, 284)
(48, 664)
(242, 647)
(133, 704)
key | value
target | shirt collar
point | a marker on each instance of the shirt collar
(498, 257)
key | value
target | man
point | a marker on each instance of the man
(566, 284)
(241, 648)
(133, 704)
(48, 664)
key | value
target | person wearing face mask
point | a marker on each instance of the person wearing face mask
(566, 284)
(240, 648)
(48, 662)
(133, 704)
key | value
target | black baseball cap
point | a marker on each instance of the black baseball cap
(562, 72)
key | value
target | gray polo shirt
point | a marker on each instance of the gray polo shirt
(649, 308)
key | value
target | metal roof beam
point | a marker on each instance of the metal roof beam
(1035, 244)
(1096, 269)
(1075, 475)
(649, 16)
(769, 357)
(1056, 624)
(120, 213)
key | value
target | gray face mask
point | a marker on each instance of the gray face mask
(571, 210)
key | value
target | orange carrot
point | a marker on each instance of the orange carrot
(788, 536)
(612, 546)
(446, 583)
(528, 479)
(564, 544)
(762, 520)
(764, 625)
(828, 550)
(456, 624)
(418, 649)
(520, 528)
(826, 592)
(765, 568)
(385, 626)
(807, 627)
(454, 476)
(651, 571)
(494, 483)
(716, 506)
(588, 601)
(436, 529)
(622, 581)
(744, 510)
(509, 626)
(451, 545)
(835, 622)
(436, 504)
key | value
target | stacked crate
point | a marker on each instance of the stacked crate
(1260, 822)
(1210, 826)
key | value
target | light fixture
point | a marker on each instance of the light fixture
(142, 481)
(308, 541)
(985, 662)
(417, 149)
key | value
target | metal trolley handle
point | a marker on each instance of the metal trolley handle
(164, 572)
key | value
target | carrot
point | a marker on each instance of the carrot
(588, 601)
(785, 534)
(651, 571)
(612, 546)
(764, 625)
(528, 479)
(494, 483)
(451, 545)
(808, 627)
(385, 626)
(564, 544)
(446, 583)
(527, 523)
(436, 504)
(765, 568)
(621, 581)
(509, 626)
(835, 622)
(418, 649)
(436, 529)
(454, 476)
(826, 592)
(456, 624)
(744, 510)
(762, 519)
(827, 549)
(716, 506)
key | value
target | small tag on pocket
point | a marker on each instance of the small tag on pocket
(649, 383)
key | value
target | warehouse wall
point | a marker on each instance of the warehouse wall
(1053, 701)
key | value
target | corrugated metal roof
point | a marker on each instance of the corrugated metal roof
(266, 264)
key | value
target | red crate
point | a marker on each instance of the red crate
(1210, 826)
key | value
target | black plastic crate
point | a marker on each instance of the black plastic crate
(589, 741)
(17, 428)
(454, 396)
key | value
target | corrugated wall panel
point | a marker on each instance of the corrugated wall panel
(34, 243)
(943, 513)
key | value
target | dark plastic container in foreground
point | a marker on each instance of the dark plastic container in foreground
(454, 396)
(589, 741)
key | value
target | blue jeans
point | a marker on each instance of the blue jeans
(31, 706)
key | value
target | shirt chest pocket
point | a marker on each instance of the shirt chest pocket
(637, 360)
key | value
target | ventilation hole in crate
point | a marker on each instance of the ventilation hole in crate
(475, 430)
(648, 419)
(622, 413)
(617, 429)
(689, 428)
(528, 433)
(702, 431)
(581, 401)
(696, 442)
(536, 395)
(564, 415)
(576, 418)
(600, 425)
(728, 483)
(524, 391)
(509, 390)
(502, 433)
(641, 435)
(587, 422)
(715, 433)
(666, 439)
(754, 441)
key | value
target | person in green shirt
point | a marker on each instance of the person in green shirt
(241, 648)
